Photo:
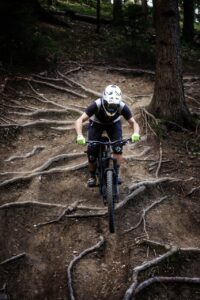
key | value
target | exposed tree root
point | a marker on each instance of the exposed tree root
(7, 121)
(13, 258)
(48, 111)
(130, 293)
(57, 87)
(136, 192)
(193, 99)
(136, 287)
(104, 211)
(18, 107)
(193, 190)
(162, 279)
(67, 128)
(152, 182)
(133, 157)
(160, 161)
(131, 71)
(68, 210)
(43, 99)
(146, 116)
(87, 90)
(30, 203)
(177, 126)
(142, 218)
(29, 154)
(48, 163)
(167, 246)
(74, 70)
(51, 171)
(39, 123)
(155, 164)
(52, 79)
(75, 260)
(142, 96)
(88, 215)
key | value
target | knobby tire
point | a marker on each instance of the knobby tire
(109, 194)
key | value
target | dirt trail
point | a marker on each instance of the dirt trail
(106, 273)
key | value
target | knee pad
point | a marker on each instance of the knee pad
(92, 152)
(117, 149)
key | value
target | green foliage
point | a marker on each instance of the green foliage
(23, 39)
(190, 52)
(137, 21)
(19, 37)
(87, 7)
(47, 48)
(17, 21)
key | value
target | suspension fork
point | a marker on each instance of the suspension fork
(111, 165)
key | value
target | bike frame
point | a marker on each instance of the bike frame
(106, 162)
(108, 176)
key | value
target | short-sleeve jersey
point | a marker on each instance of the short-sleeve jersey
(96, 112)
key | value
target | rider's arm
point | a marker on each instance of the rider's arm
(129, 117)
(89, 111)
(79, 123)
(134, 125)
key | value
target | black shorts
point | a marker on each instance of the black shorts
(114, 132)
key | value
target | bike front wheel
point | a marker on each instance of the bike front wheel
(110, 201)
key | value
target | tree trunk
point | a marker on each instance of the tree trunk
(188, 20)
(117, 12)
(168, 101)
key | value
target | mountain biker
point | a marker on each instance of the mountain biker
(104, 115)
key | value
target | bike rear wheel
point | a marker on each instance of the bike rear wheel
(110, 201)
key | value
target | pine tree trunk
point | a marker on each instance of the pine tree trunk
(168, 100)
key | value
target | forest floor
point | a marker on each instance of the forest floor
(43, 179)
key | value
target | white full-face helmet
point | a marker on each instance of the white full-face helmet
(112, 96)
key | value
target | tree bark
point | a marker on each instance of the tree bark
(168, 101)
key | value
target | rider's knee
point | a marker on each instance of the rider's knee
(92, 152)
(117, 149)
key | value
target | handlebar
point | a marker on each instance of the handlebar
(121, 142)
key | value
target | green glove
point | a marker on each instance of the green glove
(80, 140)
(135, 137)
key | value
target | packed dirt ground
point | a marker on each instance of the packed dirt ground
(55, 241)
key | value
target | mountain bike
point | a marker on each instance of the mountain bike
(107, 173)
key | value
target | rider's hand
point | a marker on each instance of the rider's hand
(135, 137)
(80, 140)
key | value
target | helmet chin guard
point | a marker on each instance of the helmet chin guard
(112, 96)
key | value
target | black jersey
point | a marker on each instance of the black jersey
(97, 113)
